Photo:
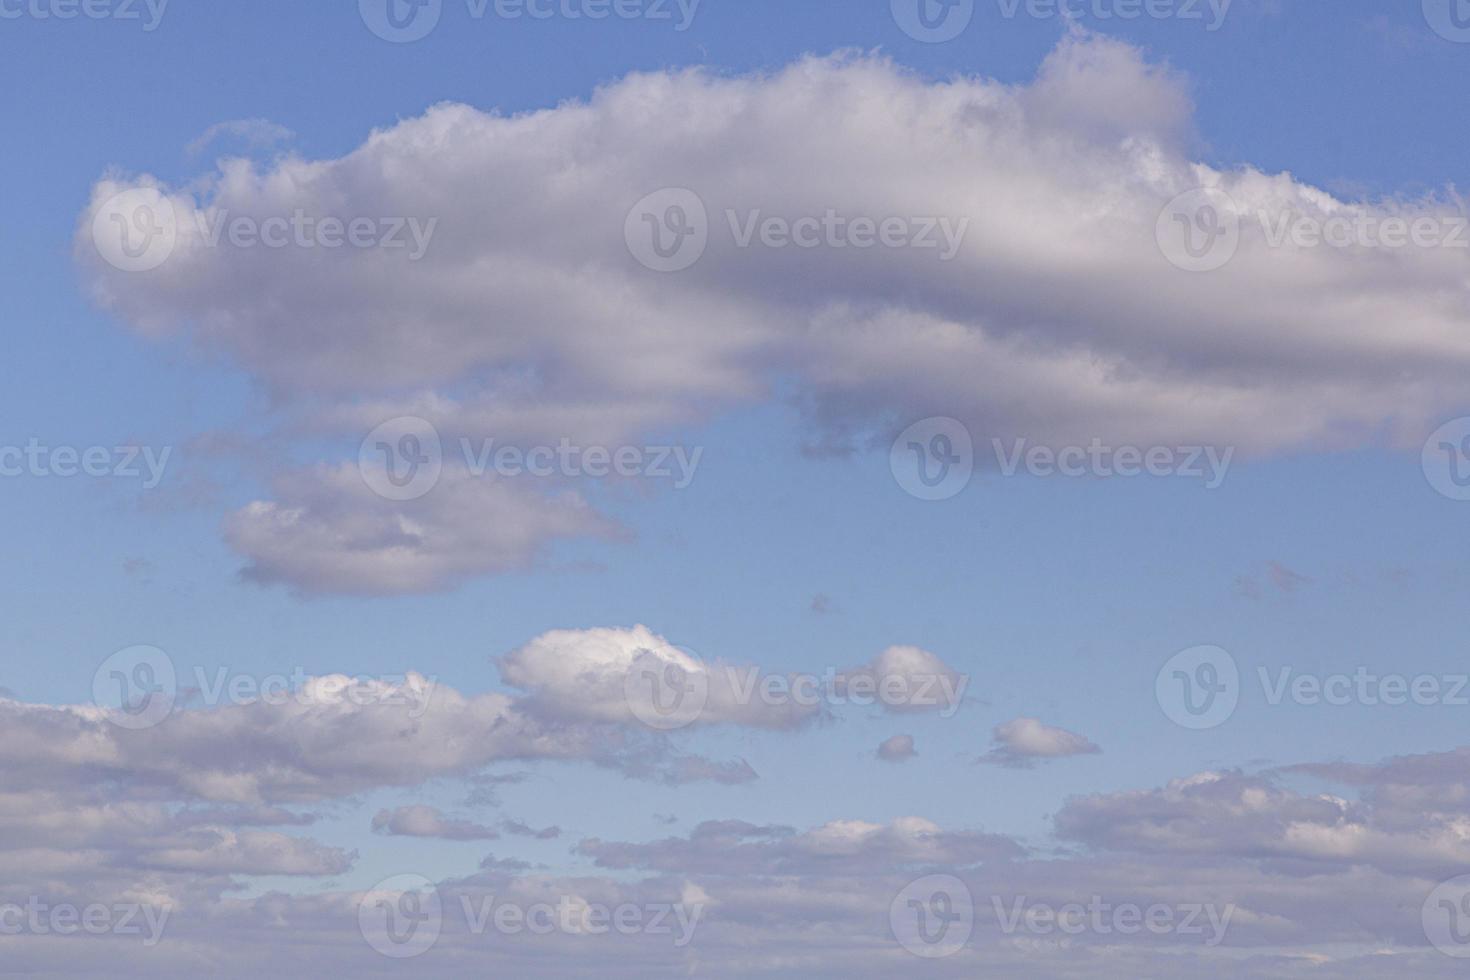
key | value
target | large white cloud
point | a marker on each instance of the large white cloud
(1058, 320)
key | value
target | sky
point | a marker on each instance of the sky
(465, 453)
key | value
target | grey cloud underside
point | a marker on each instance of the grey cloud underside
(1058, 319)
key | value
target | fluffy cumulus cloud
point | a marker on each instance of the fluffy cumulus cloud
(1023, 742)
(1050, 311)
(1278, 882)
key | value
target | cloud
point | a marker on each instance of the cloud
(842, 847)
(897, 749)
(1058, 319)
(1023, 742)
(327, 532)
(254, 133)
(427, 821)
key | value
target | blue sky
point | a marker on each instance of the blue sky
(1059, 598)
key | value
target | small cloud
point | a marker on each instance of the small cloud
(426, 821)
(897, 749)
(254, 133)
(520, 829)
(1023, 742)
(1275, 575)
